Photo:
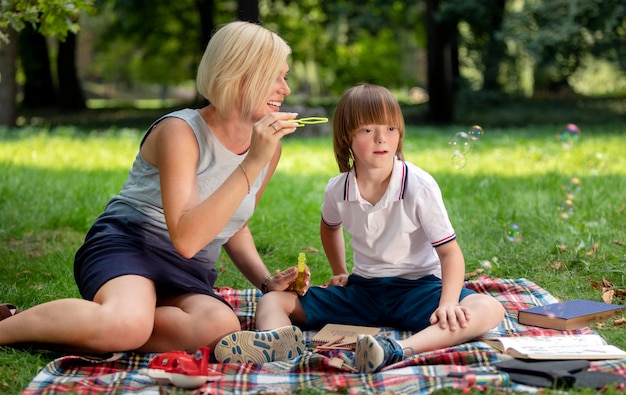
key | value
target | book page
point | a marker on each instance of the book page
(550, 342)
(557, 347)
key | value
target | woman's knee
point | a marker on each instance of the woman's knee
(122, 331)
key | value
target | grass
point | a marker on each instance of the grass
(55, 181)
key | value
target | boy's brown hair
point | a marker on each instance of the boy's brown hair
(364, 104)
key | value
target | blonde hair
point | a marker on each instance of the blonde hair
(239, 66)
(360, 105)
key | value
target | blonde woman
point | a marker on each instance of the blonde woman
(146, 269)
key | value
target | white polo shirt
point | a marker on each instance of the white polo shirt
(397, 236)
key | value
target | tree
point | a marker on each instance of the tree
(70, 94)
(8, 83)
(558, 34)
(38, 86)
(441, 55)
(52, 17)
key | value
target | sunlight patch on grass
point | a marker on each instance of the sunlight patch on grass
(70, 149)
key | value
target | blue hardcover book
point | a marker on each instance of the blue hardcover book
(569, 315)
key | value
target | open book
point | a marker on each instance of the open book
(557, 347)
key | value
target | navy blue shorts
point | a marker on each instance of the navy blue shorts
(389, 302)
(114, 247)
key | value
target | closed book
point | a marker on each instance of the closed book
(573, 314)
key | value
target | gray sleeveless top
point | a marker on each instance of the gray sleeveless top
(139, 201)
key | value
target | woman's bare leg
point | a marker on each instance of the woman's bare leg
(120, 318)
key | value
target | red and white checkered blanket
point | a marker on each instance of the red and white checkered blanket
(421, 374)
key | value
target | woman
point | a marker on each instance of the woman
(146, 268)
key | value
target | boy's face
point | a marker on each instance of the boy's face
(375, 146)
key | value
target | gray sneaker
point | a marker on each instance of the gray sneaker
(280, 344)
(372, 353)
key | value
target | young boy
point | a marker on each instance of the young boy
(408, 269)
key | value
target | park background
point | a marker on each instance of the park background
(540, 196)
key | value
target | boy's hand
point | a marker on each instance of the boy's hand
(286, 280)
(452, 316)
(339, 280)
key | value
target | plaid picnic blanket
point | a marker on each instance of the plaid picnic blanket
(421, 374)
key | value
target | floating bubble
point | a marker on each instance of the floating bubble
(595, 163)
(567, 209)
(572, 188)
(460, 142)
(570, 135)
(458, 160)
(475, 132)
(513, 233)
(487, 267)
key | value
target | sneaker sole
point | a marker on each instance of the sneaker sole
(260, 347)
(369, 355)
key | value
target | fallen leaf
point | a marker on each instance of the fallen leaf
(593, 249)
(606, 283)
(619, 243)
(607, 296)
(557, 265)
(475, 273)
(620, 322)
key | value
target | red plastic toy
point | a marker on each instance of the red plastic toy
(181, 369)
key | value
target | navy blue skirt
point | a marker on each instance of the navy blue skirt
(114, 247)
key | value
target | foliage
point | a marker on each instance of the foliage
(53, 17)
(558, 34)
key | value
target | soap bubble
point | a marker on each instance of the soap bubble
(567, 209)
(460, 142)
(487, 267)
(595, 163)
(570, 135)
(572, 187)
(459, 160)
(475, 132)
(513, 233)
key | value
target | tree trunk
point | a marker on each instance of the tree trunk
(8, 84)
(38, 86)
(440, 37)
(495, 49)
(206, 10)
(70, 93)
(248, 10)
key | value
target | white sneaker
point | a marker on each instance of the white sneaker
(280, 344)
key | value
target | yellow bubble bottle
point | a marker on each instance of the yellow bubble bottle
(301, 272)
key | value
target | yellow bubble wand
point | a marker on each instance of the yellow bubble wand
(309, 121)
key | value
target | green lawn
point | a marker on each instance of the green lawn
(54, 183)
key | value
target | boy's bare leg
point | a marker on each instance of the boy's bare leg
(485, 314)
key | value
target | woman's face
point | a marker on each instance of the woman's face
(278, 91)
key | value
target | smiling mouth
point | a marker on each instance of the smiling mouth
(276, 104)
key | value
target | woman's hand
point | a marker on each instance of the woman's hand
(450, 316)
(267, 132)
(286, 280)
(339, 280)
